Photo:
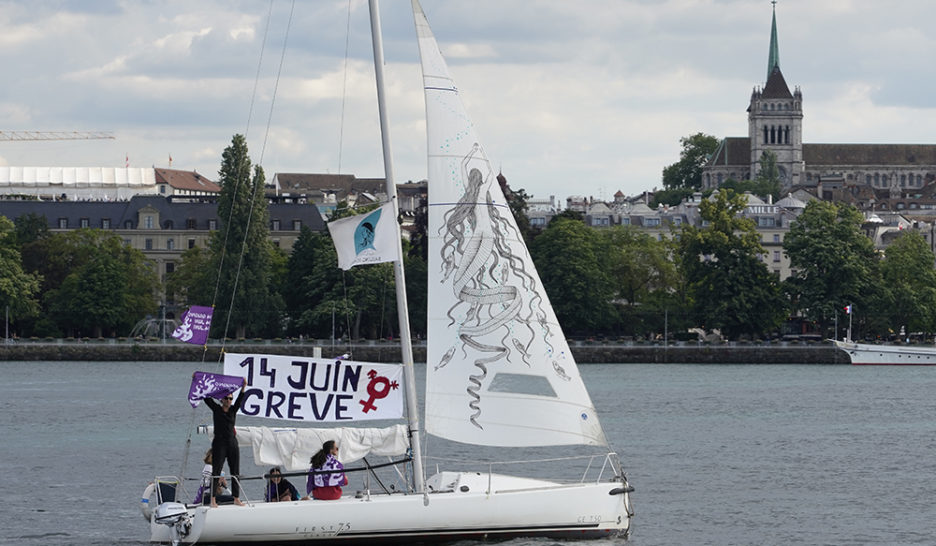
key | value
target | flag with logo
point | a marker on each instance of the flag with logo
(368, 238)
(212, 385)
(195, 325)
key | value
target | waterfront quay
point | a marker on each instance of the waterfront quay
(108, 349)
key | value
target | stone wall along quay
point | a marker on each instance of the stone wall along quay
(389, 351)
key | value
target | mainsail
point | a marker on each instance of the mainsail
(499, 370)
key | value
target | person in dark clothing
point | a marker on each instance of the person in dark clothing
(224, 444)
(280, 489)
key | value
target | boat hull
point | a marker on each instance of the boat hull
(888, 355)
(468, 511)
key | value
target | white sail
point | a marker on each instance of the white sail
(499, 370)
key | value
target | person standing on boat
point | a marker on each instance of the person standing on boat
(326, 486)
(224, 444)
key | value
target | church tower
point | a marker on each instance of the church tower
(775, 119)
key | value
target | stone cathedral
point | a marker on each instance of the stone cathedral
(873, 176)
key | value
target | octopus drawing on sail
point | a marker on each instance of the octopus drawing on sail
(495, 293)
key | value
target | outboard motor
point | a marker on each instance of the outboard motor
(176, 516)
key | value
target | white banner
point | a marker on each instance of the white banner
(317, 390)
(365, 238)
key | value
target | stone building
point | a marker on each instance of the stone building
(884, 172)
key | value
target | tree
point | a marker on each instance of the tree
(687, 172)
(834, 263)
(569, 257)
(18, 289)
(95, 284)
(729, 287)
(910, 281)
(641, 275)
(241, 252)
(517, 201)
(766, 183)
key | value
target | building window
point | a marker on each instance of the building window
(776, 237)
(105, 223)
(766, 221)
(297, 225)
(776, 255)
(191, 243)
(212, 224)
(162, 189)
(170, 267)
(191, 223)
(148, 244)
(650, 222)
(168, 224)
(276, 243)
(128, 224)
(170, 244)
(84, 222)
(147, 222)
(276, 225)
(625, 221)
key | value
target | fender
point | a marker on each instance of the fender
(145, 507)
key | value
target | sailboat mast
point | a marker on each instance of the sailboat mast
(406, 343)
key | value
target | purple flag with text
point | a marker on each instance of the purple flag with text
(195, 325)
(212, 385)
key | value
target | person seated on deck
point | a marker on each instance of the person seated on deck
(221, 492)
(279, 488)
(326, 486)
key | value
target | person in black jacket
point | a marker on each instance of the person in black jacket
(224, 444)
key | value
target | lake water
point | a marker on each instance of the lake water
(719, 454)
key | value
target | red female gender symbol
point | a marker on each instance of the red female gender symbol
(374, 392)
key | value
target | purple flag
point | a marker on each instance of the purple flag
(212, 385)
(195, 325)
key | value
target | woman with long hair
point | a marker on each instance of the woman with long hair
(322, 484)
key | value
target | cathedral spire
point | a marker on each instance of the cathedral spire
(773, 58)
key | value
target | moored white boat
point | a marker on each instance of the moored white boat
(900, 355)
(499, 374)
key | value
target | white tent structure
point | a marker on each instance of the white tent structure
(78, 183)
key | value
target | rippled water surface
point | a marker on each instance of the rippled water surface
(719, 454)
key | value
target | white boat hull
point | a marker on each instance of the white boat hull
(516, 507)
(899, 355)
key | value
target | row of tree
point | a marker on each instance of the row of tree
(614, 282)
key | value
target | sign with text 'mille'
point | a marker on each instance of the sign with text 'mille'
(317, 389)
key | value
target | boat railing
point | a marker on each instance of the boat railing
(591, 470)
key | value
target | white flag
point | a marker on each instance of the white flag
(366, 238)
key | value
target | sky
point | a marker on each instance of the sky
(569, 98)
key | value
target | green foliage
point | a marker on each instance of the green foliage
(671, 197)
(910, 282)
(728, 286)
(18, 289)
(642, 277)
(570, 259)
(834, 263)
(93, 284)
(687, 172)
(766, 183)
(241, 252)
(567, 214)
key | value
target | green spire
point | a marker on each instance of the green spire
(773, 58)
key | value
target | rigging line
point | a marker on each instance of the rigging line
(253, 95)
(257, 185)
(279, 72)
(347, 314)
(344, 87)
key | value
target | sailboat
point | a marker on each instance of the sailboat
(499, 373)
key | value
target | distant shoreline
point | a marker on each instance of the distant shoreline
(389, 351)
